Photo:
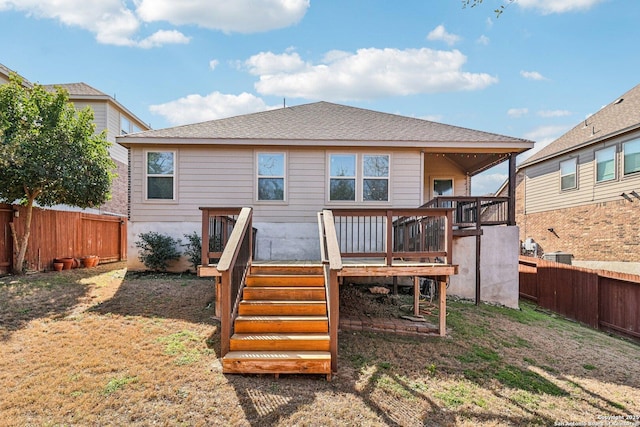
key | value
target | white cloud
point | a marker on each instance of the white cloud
(554, 113)
(517, 112)
(114, 23)
(440, 33)
(547, 7)
(487, 183)
(197, 108)
(213, 64)
(243, 16)
(543, 136)
(163, 37)
(366, 74)
(483, 40)
(532, 75)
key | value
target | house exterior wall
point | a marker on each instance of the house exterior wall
(498, 266)
(226, 177)
(594, 222)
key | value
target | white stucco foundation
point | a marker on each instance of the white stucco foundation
(499, 249)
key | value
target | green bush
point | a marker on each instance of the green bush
(156, 250)
(193, 249)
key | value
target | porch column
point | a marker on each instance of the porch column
(511, 220)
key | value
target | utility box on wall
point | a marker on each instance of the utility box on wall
(561, 257)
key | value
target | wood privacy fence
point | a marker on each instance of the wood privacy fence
(601, 299)
(58, 234)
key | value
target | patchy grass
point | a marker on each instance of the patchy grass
(106, 347)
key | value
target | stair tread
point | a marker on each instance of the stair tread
(282, 336)
(284, 301)
(278, 355)
(283, 318)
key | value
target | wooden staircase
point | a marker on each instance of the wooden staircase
(282, 325)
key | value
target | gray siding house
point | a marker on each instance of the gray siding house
(290, 163)
(581, 194)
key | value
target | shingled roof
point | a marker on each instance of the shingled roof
(78, 89)
(323, 122)
(620, 116)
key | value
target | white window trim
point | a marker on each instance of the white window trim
(595, 165)
(575, 172)
(174, 176)
(623, 154)
(258, 176)
(359, 178)
(441, 178)
(123, 131)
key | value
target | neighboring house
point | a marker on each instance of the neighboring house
(109, 114)
(117, 120)
(581, 194)
(289, 163)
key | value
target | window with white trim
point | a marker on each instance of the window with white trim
(606, 164)
(160, 173)
(375, 178)
(361, 178)
(631, 151)
(125, 125)
(342, 180)
(271, 176)
(568, 175)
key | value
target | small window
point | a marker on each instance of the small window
(160, 175)
(631, 151)
(442, 187)
(606, 164)
(375, 178)
(568, 174)
(125, 125)
(271, 176)
(342, 181)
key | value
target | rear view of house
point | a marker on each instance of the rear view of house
(288, 164)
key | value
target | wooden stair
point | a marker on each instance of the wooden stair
(282, 325)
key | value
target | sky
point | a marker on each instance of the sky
(533, 72)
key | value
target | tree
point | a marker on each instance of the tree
(498, 11)
(49, 154)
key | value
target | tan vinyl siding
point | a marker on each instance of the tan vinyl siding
(226, 177)
(117, 151)
(543, 183)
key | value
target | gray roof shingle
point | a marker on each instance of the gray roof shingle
(621, 115)
(324, 121)
(77, 89)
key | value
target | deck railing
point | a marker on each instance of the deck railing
(410, 234)
(332, 264)
(234, 264)
(217, 225)
(474, 211)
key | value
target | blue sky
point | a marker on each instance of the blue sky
(534, 72)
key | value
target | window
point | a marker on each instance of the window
(375, 178)
(125, 125)
(160, 175)
(342, 181)
(442, 187)
(568, 174)
(606, 164)
(631, 151)
(271, 176)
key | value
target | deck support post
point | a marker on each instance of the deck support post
(416, 296)
(443, 307)
(511, 214)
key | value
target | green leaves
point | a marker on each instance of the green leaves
(49, 152)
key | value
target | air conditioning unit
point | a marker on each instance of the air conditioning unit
(561, 257)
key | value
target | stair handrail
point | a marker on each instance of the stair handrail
(234, 265)
(331, 265)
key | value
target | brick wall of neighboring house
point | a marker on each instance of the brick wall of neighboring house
(597, 232)
(119, 192)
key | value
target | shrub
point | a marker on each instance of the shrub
(156, 250)
(193, 249)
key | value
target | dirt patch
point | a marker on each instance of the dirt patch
(106, 347)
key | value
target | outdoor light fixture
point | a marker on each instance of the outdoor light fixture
(634, 194)
(626, 196)
(552, 231)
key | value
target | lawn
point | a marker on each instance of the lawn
(106, 347)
